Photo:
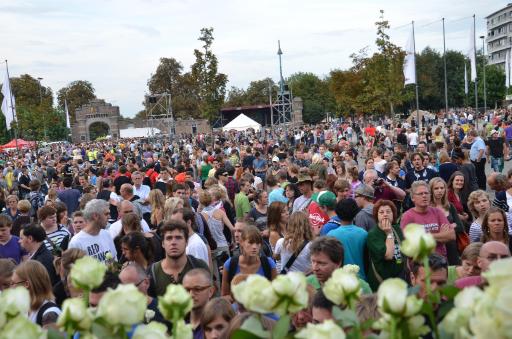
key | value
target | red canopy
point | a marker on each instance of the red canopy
(21, 144)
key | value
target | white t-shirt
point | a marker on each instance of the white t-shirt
(96, 246)
(278, 250)
(380, 165)
(197, 248)
(303, 261)
(413, 138)
(116, 227)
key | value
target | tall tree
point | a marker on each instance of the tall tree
(429, 69)
(210, 86)
(77, 93)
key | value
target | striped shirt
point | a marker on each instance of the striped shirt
(59, 238)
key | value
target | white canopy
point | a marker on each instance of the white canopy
(137, 132)
(241, 123)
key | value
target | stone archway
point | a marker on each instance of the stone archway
(98, 129)
(95, 114)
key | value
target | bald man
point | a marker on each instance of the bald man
(489, 252)
(123, 208)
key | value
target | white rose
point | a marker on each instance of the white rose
(15, 301)
(412, 306)
(341, 286)
(255, 294)
(148, 315)
(468, 297)
(87, 273)
(456, 321)
(349, 268)
(291, 292)
(175, 303)
(499, 273)
(326, 330)
(503, 311)
(418, 243)
(392, 296)
(21, 327)
(124, 306)
(153, 330)
(417, 327)
(74, 316)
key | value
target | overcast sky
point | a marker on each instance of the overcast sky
(117, 44)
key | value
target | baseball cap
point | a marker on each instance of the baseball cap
(327, 199)
(365, 191)
(275, 158)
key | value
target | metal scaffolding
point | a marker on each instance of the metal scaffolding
(160, 115)
(282, 107)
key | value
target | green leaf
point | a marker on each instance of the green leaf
(449, 291)
(281, 328)
(348, 318)
(444, 308)
(244, 334)
(253, 325)
(54, 334)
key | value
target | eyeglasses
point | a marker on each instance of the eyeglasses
(17, 283)
(140, 282)
(196, 289)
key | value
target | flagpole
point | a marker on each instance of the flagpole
(12, 107)
(445, 78)
(416, 78)
(476, 75)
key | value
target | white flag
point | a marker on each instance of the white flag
(507, 68)
(410, 61)
(8, 105)
(472, 52)
(68, 125)
(466, 89)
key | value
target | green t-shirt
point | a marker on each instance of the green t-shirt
(204, 171)
(313, 281)
(242, 205)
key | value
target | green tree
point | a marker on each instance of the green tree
(236, 97)
(429, 70)
(345, 86)
(77, 93)
(315, 95)
(455, 78)
(495, 86)
(210, 85)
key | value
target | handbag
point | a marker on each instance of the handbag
(291, 260)
(463, 241)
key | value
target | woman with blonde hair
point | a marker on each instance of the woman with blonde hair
(277, 218)
(294, 247)
(439, 199)
(33, 276)
(172, 204)
(157, 202)
(478, 203)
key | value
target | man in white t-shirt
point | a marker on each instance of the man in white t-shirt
(142, 191)
(93, 239)
(123, 208)
(412, 138)
(196, 246)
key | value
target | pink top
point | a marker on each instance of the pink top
(432, 220)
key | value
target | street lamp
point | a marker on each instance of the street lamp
(40, 104)
(485, 82)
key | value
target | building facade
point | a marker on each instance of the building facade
(499, 35)
(97, 111)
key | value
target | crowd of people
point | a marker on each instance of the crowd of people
(209, 210)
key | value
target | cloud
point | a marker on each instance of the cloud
(144, 30)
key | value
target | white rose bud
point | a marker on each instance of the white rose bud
(418, 244)
(291, 292)
(148, 315)
(123, 306)
(392, 296)
(153, 330)
(326, 330)
(499, 273)
(15, 301)
(349, 268)
(175, 303)
(22, 327)
(412, 306)
(74, 316)
(341, 286)
(87, 273)
(255, 294)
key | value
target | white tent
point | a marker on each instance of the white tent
(137, 132)
(241, 123)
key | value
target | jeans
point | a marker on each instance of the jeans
(497, 164)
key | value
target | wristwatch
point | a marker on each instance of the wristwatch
(389, 236)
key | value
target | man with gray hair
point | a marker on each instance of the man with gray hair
(93, 239)
(125, 207)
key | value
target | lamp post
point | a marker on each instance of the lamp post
(485, 82)
(40, 104)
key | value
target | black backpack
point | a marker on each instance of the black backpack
(233, 264)
(42, 309)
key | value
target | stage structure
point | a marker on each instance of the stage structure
(282, 107)
(160, 115)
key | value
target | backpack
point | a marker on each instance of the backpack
(36, 201)
(42, 309)
(233, 264)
